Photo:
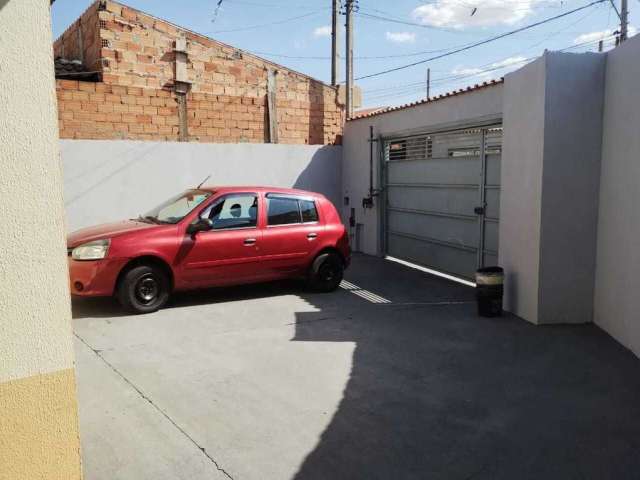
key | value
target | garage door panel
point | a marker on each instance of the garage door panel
(455, 171)
(491, 236)
(433, 186)
(493, 170)
(439, 257)
(457, 201)
(492, 198)
(444, 229)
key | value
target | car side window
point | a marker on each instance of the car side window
(309, 211)
(283, 211)
(233, 211)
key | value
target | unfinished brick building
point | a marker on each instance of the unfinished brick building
(124, 74)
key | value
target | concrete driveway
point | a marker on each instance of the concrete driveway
(392, 377)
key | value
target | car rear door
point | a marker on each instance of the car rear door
(292, 233)
(229, 253)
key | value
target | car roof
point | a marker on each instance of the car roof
(262, 189)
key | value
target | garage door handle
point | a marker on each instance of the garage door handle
(249, 241)
(311, 236)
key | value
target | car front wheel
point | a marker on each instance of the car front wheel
(326, 272)
(143, 289)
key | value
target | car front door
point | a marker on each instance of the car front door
(229, 253)
(292, 233)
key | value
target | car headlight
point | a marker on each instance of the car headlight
(95, 250)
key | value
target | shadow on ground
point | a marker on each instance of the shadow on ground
(437, 392)
(106, 307)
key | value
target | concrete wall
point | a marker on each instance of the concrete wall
(482, 104)
(521, 189)
(617, 307)
(570, 186)
(550, 183)
(38, 411)
(111, 180)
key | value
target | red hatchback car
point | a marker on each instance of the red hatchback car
(210, 237)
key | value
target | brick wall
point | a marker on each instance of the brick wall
(90, 110)
(226, 102)
(86, 28)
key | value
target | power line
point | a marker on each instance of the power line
(495, 65)
(418, 87)
(412, 24)
(269, 5)
(483, 42)
(216, 11)
(366, 57)
(262, 25)
(388, 17)
(515, 54)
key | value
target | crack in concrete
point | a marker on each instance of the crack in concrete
(162, 412)
(432, 304)
(311, 320)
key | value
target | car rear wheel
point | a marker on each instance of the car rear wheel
(326, 272)
(143, 289)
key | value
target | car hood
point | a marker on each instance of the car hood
(106, 230)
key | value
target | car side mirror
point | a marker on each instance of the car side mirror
(202, 225)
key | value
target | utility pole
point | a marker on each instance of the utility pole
(624, 20)
(334, 43)
(428, 83)
(349, 6)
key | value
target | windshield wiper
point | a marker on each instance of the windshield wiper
(146, 219)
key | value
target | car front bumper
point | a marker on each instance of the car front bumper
(94, 278)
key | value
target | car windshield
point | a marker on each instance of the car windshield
(178, 207)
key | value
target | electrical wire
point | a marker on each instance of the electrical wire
(483, 42)
(268, 5)
(413, 24)
(262, 25)
(417, 87)
(497, 62)
(366, 57)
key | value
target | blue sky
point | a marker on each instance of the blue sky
(295, 33)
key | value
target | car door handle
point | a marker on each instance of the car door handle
(312, 236)
(249, 241)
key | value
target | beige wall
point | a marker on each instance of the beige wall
(38, 414)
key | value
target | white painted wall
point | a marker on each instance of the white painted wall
(521, 189)
(112, 180)
(570, 186)
(475, 106)
(550, 182)
(35, 312)
(617, 309)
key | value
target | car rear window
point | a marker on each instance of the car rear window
(309, 211)
(283, 211)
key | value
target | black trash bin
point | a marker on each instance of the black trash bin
(489, 291)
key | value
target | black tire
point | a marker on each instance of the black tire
(143, 289)
(326, 272)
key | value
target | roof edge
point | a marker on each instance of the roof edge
(469, 89)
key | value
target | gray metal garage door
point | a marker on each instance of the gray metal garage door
(442, 198)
